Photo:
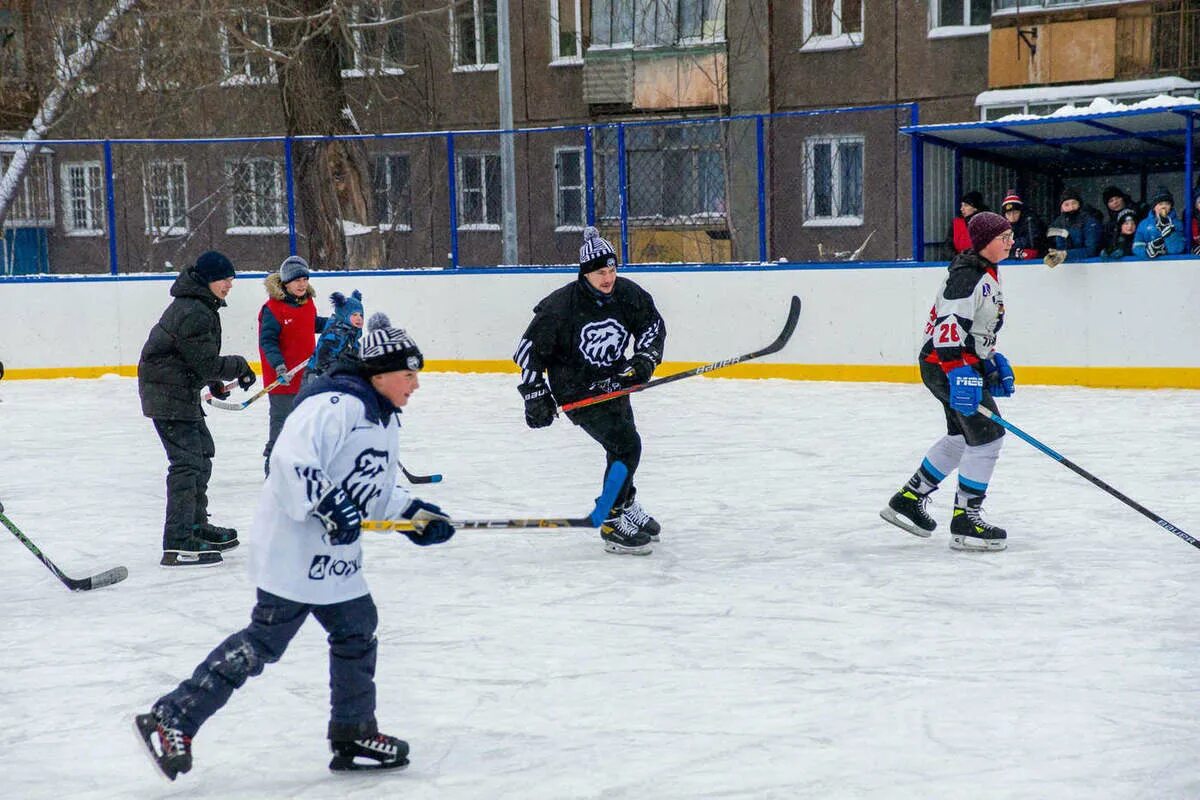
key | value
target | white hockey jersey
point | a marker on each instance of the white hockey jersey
(328, 438)
(966, 315)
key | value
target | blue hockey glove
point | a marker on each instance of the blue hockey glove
(966, 389)
(340, 516)
(999, 374)
(540, 408)
(437, 528)
(637, 370)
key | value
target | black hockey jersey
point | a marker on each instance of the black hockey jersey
(582, 340)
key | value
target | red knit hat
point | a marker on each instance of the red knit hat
(1012, 201)
(984, 227)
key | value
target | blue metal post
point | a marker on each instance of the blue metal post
(110, 199)
(291, 194)
(918, 187)
(760, 142)
(453, 187)
(1188, 154)
(623, 192)
(589, 170)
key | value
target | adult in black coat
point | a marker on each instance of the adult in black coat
(182, 354)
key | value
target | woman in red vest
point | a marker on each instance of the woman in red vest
(287, 324)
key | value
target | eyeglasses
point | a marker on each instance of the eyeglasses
(1007, 237)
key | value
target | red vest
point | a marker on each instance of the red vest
(296, 340)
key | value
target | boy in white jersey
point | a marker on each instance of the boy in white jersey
(335, 463)
(961, 368)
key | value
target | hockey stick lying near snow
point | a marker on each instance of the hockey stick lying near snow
(1071, 465)
(106, 578)
(229, 406)
(612, 487)
(774, 347)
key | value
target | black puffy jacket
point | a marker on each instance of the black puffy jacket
(183, 353)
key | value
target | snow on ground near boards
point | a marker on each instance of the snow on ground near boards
(782, 641)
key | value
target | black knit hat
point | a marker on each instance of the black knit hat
(1070, 193)
(973, 199)
(1161, 195)
(1112, 191)
(213, 266)
(388, 349)
(596, 252)
(985, 226)
(1124, 214)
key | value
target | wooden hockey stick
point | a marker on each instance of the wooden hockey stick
(229, 406)
(106, 578)
(782, 339)
(604, 503)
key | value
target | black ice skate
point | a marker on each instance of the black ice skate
(218, 537)
(375, 752)
(969, 530)
(646, 523)
(168, 748)
(190, 552)
(622, 535)
(906, 510)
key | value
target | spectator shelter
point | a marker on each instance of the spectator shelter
(1152, 143)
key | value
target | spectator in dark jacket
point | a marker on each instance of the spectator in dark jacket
(1195, 228)
(1116, 201)
(969, 205)
(1120, 244)
(182, 354)
(1077, 231)
(1028, 233)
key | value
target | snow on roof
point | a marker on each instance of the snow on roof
(1047, 94)
(1101, 105)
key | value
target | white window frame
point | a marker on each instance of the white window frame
(358, 70)
(178, 216)
(810, 219)
(32, 204)
(93, 197)
(940, 31)
(557, 59)
(482, 189)
(257, 227)
(385, 158)
(836, 40)
(245, 77)
(480, 41)
(581, 188)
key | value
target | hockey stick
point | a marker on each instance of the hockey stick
(106, 578)
(228, 406)
(1071, 465)
(612, 487)
(774, 347)
(434, 478)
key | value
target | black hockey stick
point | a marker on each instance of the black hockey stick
(612, 487)
(106, 578)
(434, 478)
(1071, 465)
(774, 347)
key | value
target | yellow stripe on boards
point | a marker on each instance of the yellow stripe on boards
(1095, 377)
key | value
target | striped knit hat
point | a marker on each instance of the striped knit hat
(1012, 201)
(388, 349)
(596, 252)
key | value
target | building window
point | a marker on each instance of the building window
(833, 180)
(956, 17)
(83, 198)
(33, 204)
(479, 205)
(475, 38)
(393, 191)
(165, 190)
(256, 195)
(566, 34)
(676, 174)
(570, 206)
(241, 39)
(656, 23)
(377, 34)
(832, 24)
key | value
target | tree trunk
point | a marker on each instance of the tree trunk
(333, 178)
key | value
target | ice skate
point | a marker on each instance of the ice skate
(621, 535)
(167, 747)
(906, 510)
(374, 752)
(191, 551)
(646, 523)
(217, 536)
(969, 530)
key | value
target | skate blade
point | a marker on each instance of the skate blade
(144, 735)
(970, 544)
(903, 523)
(339, 764)
(621, 550)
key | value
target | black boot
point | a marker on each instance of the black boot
(623, 536)
(218, 537)
(190, 551)
(374, 752)
(970, 531)
(169, 749)
(906, 510)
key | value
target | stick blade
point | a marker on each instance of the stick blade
(789, 327)
(106, 578)
(608, 495)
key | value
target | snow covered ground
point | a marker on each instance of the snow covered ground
(781, 642)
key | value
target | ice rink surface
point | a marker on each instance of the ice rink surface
(781, 642)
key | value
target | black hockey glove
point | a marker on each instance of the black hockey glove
(217, 388)
(1156, 247)
(1195, 252)
(437, 527)
(637, 370)
(340, 516)
(540, 408)
(247, 378)
(1165, 226)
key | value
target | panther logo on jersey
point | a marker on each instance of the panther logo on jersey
(362, 483)
(603, 343)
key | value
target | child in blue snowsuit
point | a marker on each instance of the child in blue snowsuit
(341, 334)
